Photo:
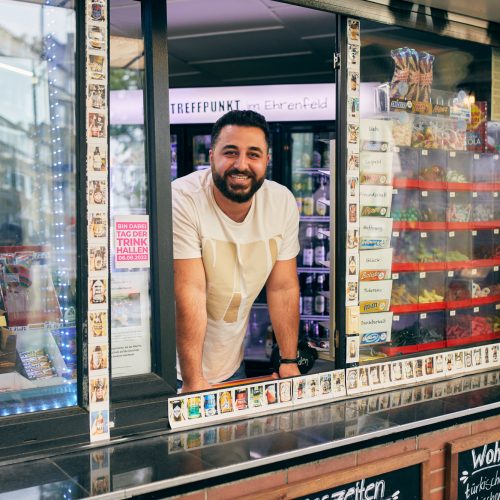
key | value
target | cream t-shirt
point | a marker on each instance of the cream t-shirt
(237, 256)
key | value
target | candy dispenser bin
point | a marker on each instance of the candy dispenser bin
(405, 246)
(482, 244)
(482, 206)
(431, 288)
(459, 167)
(405, 205)
(483, 283)
(483, 167)
(496, 320)
(432, 165)
(405, 163)
(432, 248)
(459, 206)
(432, 206)
(482, 322)
(405, 332)
(458, 246)
(404, 289)
(458, 289)
(432, 329)
(458, 326)
(496, 243)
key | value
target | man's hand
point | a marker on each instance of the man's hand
(287, 370)
(199, 384)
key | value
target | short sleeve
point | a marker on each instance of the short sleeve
(186, 236)
(290, 247)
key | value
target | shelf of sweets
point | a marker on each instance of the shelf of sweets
(444, 226)
(398, 350)
(401, 183)
(314, 218)
(310, 270)
(315, 317)
(310, 170)
(444, 305)
(399, 267)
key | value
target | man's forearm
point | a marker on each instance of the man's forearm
(191, 322)
(284, 312)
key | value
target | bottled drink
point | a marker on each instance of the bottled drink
(321, 199)
(254, 328)
(268, 347)
(319, 250)
(319, 297)
(308, 198)
(308, 296)
(308, 251)
(299, 198)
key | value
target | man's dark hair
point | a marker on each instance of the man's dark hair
(241, 118)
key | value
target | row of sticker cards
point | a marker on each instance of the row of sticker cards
(97, 170)
(425, 368)
(236, 402)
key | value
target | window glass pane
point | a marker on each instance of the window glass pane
(37, 207)
(130, 299)
(429, 149)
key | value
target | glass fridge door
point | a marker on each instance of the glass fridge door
(201, 147)
(310, 176)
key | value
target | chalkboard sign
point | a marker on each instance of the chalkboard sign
(474, 467)
(397, 484)
(402, 477)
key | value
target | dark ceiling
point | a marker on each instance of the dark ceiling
(256, 42)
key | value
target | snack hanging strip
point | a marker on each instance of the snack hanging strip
(425, 63)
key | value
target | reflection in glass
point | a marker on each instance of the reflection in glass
(37, 207)
(130, 301)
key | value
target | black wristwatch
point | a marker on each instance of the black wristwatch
(289, 361)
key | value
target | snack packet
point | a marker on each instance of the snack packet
(425, 63)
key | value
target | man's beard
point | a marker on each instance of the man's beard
(237, 195)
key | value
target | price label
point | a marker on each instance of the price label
(450, 274)
(474, 194)
(497, 306)
(495, 157)
(474, 272)
(424, 194)
(476, 157)
(394, 191)
(396, 318)
(423, 316)
(452, 194)
(423, 235)
(476, 309)
(395, 234)
(474, 233)
(425, 152)
(396, 149)
(451, 234)
(495, 195)
(422, 275)
(495, 268)
(453, 154)
(452, 313)
(496, 231)
(395, 276)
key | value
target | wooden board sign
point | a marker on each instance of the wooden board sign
(473, 471)
(399, 477)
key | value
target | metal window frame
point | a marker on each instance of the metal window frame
(139, 402)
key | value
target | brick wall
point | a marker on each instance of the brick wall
(433, 441)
